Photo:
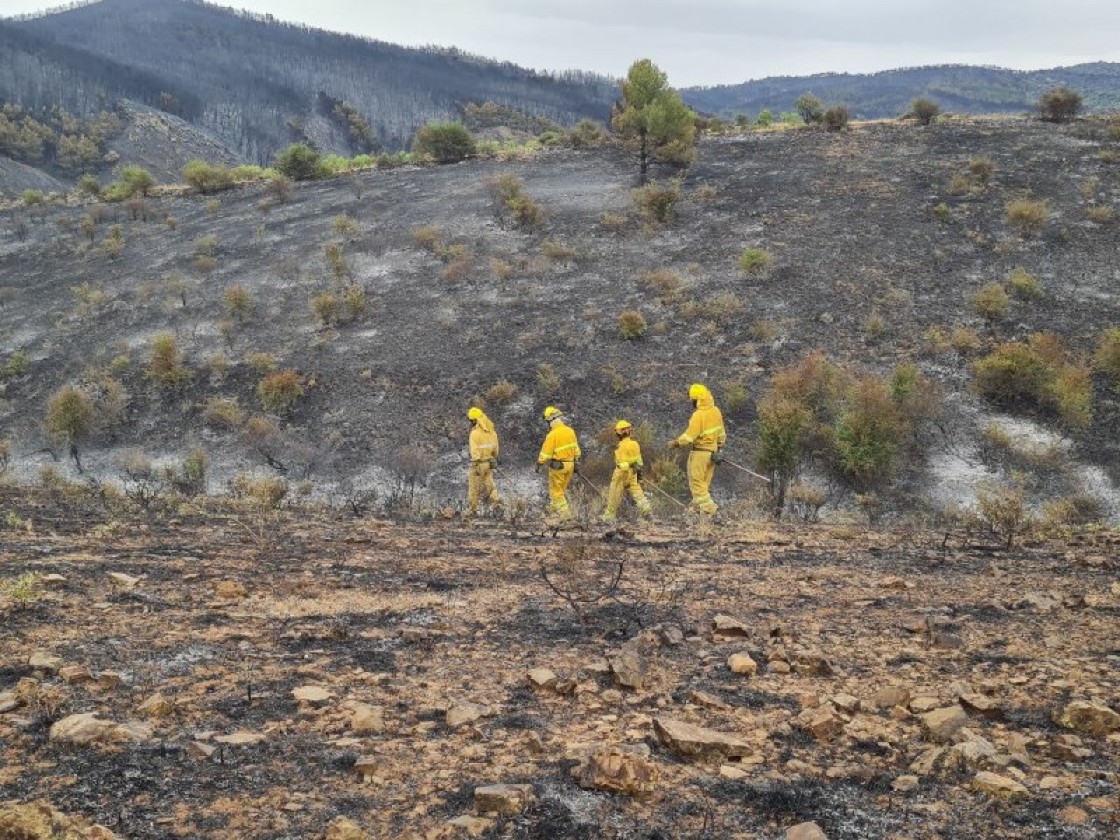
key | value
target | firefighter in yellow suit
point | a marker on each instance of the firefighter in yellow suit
(559, 453)
(627, 474)
(483, 446)
(705, 436)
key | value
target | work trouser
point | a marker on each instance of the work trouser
(623, 481)
(480, 482)
(558, 480)
(700, 472)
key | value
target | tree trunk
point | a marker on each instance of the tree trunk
(643, 158)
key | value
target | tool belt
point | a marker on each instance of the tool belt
(556, 464)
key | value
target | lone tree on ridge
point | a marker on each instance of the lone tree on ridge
(653, 120)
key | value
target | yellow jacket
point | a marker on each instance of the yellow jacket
(705, 430)
(628, 454)
(560, 444)
(483, 440)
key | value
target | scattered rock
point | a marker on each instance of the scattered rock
(108, 681)
(52, 580)
(806, 831)
(618, 771)
(941, 725)
(779, 666)
(40, 660)
(86, 729)
(727, 627)
(40, 820)
(473, 826)
(697, 742)
(996, 785)
(122, 580)
(505, 800)
(156, 706)
(8, 701)
(734, 772)
(975, 752)
(366, 767)
(981, 704)
(75, 674)
(1088, 718)
(822, 722)
(542, 678)
(812, 665)
(315, 695)
(465, 713)
(905, 784)
(629, 668)
(671, 635)
(845, 703)
(742, 663)
(928, 761)
(201, 750)
(1069, 748)
(703, 698)
(343, 828)
(924, 703)
(895, 583)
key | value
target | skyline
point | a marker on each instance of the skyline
(722, 42)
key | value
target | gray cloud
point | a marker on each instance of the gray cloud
(727, 41)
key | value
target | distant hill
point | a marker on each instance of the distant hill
(259, 84)
(957, 88)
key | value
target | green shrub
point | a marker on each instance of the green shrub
(1026, 217)
(755, 262)
(870, 433)
(1107, 357)
(165, 365)
(223, 412)
(1059, 104)
(765, 118)
(632, 325)
(326, 308)
(1023, 284)
(942, 212)
(991, 302)
(31, 197)
(586, 134)
(558, 251)
(133, 181)
(981, 168)
(1013, 372)
(354, 301)
(810, 108)
(207, 177)
(70, 418)
(279, 391)
(16, 365)
(925, 111)
(444, 142)
(238, 301)
(300, 162)
(89, 185)
(836, 118)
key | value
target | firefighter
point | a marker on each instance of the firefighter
(705, 436)
(627, 474)
(559, 452)
(483, 446)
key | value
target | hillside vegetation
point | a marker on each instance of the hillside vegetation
(958, 328)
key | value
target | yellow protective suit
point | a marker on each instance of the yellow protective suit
(627, 461)
(559, 453)
(483, 445)
(705, 434)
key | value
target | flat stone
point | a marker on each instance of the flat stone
(86, 729)
(729, 627)
(201, 750)
(975, 752)
(822, 722)
(924, 703)
(122, 580)
(52, 580)
(473, 826)
(806, 831)
(505, 800)
(8, 701)
(905, 784)
(313, 694)
(40, 660)
(542, 678)
(240, 739)
(75, 674)
(846, 703)
(156, 706)
(344, 828)
(889, 697)
(108, 681)
(928, 761)
(366, 766)
(671, 635)
(703, 698)
(942, 724)
(742, 663)
(732, 771)
(812, 665)
(1088, 718)
(981, 704)
(996, 785)
(697, 742)
(617, 771)
(465, 713)
(366, 718)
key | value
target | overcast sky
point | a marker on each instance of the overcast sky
(703, 42)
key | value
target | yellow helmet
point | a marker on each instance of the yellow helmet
(552, 412)
(474, 413)
(622, 426)
(696, 391)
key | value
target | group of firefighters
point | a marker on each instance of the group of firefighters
(560, 453)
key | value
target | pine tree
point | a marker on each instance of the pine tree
(652, 119)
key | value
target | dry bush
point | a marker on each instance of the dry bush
(223, 413)
(237, 301)
(632, 325)
(500, 269)
(965, 340)
(1074, 511)
(428, 238)
(279, 391)
(724, 308)
(261, 362)
(263, 492)
(837, 118)
(206, 246)
(335, 257)
(613, 222)
(354, 301)
(501, 392)
(925, 110)
(345, 226)
(458, 270)
(1023, 284)
(664, 283)
(806, 501)
(70, 418)
(1100, 213)
(558, 251)
(1002, 509)
(1107, 356)
(959, 185)
(991, 302)
(762, 329)
(547, 379)
(657, 202)
(981, 168)
(1026, 217)
(326, 308)
(280, 188)
(1059, 104)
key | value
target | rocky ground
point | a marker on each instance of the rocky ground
(226, 673)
